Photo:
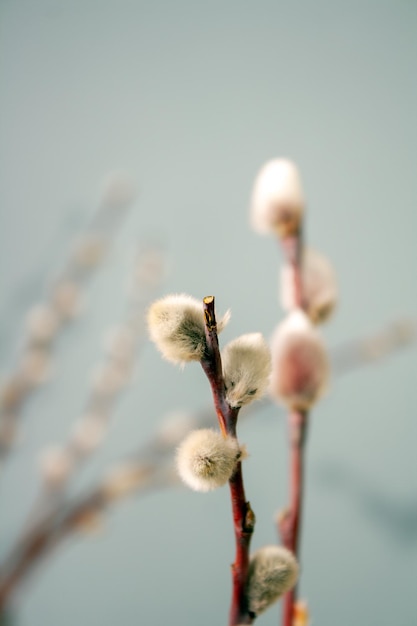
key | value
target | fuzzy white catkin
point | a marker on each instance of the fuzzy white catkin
(246, 369)
(300, 368)
(176, 325)
(88, 433)
(56, 464)
(273, 570)
(319, 286)
(277, 199)
(41, 324)
(125, 478)
(66, 299)
(35, 367)
(206, 460)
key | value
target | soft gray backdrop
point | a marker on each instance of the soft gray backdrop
(191, 98)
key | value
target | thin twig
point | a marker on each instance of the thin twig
(290, 520)
(289, 524)
(30, 549)
(243, 516)
(35, 354)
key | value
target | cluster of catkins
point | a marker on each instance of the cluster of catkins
(295, 369)
(299, 361)
(207, 458)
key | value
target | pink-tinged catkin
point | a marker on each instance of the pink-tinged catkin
(277, 200)
(56, 465)
(41, 325)
(300, 368)
(66, 299)
(319, 286)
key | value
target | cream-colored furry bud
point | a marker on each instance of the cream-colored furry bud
(125, 478)
(246, 369)
(88, 433)
(35, 367)
(89, 250)
(300, 366)
(176, 325)
(109, 378)
(66, 299)
(120, 343)
(56, 464)
(206, 460)
(277, 199)
(319, 286)
(273, 570)
(41, 324)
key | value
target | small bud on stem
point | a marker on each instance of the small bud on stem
(277, 199)
(299, 362)
(246, 369)
(273, 570)
(176, 325)
(206, 460)
(318, 286)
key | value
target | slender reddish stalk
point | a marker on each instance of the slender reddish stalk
(243, 516)
(244, 524)
(293, 249)
(290, 521)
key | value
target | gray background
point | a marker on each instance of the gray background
(191, 98)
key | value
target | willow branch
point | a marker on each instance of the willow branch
(29, 550)
(290, 520)
(35, 354)
(289, 524)
(243, 516)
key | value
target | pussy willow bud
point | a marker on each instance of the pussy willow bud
(56, 466)
(300, 367)
(89, 250)
(277, 199)
(319, 286)
(41, 324)
(246, 369)
(89, 522)
(88, 433)
(109, 378)
(120, 343)
(273, 570)
(125, 478)
(66, 299)
(35, 367)
(176, 325)
(206, 460)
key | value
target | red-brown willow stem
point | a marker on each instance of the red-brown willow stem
(290, 520)
(289, 524)
(243, 516)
